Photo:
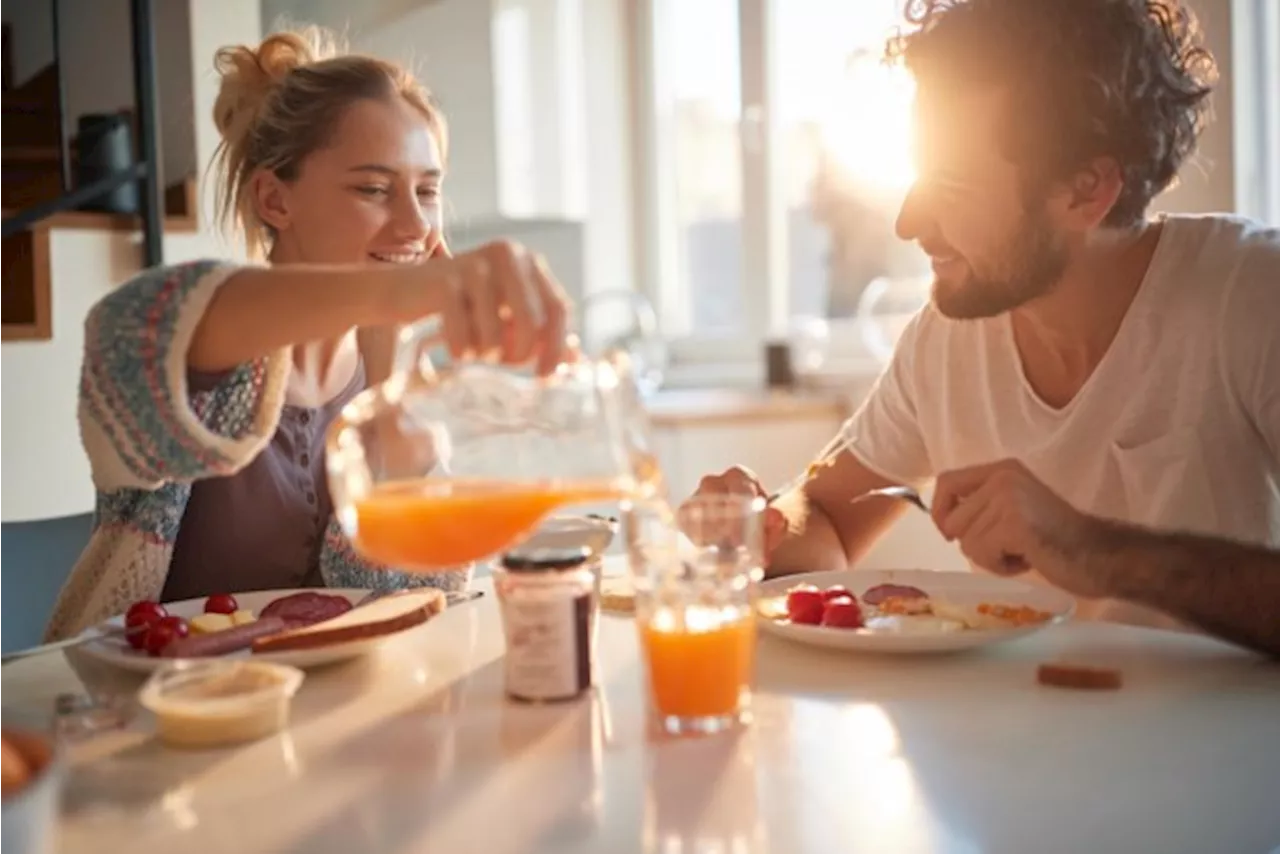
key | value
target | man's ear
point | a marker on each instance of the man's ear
(271, 200)
(1093, 192)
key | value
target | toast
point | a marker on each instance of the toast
(385, 616)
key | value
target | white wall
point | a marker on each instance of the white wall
(212, 26)
(447, 44)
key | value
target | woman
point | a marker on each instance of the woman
(207, 387)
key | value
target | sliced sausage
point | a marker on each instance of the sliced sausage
(228, 640)
(303, 609)
(881, 592)
(1079, 677)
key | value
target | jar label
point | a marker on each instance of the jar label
(547, 639)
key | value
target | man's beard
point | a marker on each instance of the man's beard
(1032, 264)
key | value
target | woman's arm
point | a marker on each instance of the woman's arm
(143, 427)
(258, 311)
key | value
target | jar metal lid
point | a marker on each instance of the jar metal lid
(546, 560)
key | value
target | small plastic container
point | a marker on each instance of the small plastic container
(202, 704)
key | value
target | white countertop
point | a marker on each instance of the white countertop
(416, 749)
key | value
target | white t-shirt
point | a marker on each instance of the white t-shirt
(1178, 428)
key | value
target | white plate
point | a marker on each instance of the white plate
(117, 652)
(959, 588)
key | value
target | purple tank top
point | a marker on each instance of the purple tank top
(263, 527)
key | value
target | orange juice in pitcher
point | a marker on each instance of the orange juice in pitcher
(445, 464)
(429, 524)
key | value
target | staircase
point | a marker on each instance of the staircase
(38, 174)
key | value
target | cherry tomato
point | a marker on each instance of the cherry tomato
(221, 603)
(804, 605)
(835, 591)
(842, 613)
(142, 614)
(165, 631)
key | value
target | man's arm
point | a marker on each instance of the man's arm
(1225, 588)
(1007, 521)
(825, 529)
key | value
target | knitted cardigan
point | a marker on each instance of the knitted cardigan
(148, 438)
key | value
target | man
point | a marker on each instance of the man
(1083, 375)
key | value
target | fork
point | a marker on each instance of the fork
(454, 597)
(903, 493)
(1010, 562)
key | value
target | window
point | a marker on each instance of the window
(698, 108)
(845, 124)
(775, 150)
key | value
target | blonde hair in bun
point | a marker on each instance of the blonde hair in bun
(281, 101)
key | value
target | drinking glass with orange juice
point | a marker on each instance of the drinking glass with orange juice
(448, 463)
(695, 588)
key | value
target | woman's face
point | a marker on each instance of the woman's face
(373, 194)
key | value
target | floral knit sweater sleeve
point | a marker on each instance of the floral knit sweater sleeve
(148, 437)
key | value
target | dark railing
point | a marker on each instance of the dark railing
(146, 167)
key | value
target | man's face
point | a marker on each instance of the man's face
(992, 248)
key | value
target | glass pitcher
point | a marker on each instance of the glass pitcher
(451, 462)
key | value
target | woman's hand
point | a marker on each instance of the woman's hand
(496, 301)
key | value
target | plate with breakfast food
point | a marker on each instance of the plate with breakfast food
(300, 628)
(905, 610)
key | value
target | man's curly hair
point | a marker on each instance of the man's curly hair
(1126, 79)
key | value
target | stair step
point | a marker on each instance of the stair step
(22, 190)
(14, 154)
(21, 101)
(23, 129)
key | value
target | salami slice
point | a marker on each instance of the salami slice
(881, 592)
(228, 640)
(303, 609)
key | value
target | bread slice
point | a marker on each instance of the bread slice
(385, 616)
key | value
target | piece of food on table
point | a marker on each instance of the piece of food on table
(165, 632)
(842, 612)
(390, 614)
(225, 641)
(221, 603)
(618, 596)
(1019, 615)
(805, 604)
(243, 616)
(216, 703)
(16, 770)
(1079, 677)
(204, 624)
(139, 619)
(878, 594)
(835, 591)
(305, 608)
(913, 624)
